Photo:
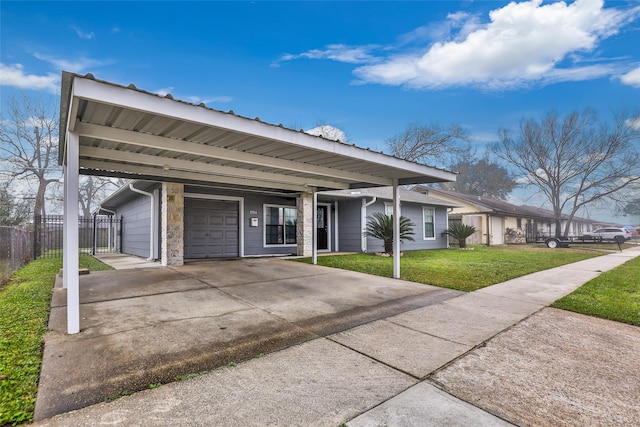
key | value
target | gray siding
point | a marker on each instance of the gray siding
(349, 233)
(136, 214)
(253, 208)
(414, 212)
(254, 236)
(349, 226)
(135, 226)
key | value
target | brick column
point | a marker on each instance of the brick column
(304, 225)
(172, 224)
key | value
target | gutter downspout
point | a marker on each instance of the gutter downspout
(363, 222)
(152, 228)
(446, 221)
(488, 229)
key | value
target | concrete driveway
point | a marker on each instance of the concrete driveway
(146, 326)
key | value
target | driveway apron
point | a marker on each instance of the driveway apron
(146, 326)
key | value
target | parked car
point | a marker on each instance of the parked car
(610, 233)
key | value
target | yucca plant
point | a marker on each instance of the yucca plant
(460, 231)
(380, 226)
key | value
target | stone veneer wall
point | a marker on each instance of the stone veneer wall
(172, 224)
(304, 225)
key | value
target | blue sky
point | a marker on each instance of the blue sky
(368, 68)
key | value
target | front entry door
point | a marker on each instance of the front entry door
(323, 228)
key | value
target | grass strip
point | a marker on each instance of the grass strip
(24, 313)
(614, 295)
(465, 270)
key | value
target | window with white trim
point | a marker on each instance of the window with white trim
(280, 225)
(429, 221)
(388, 209)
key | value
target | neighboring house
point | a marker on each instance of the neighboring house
(219, 224)
(498, 222)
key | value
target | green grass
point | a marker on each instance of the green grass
(24, 313)
(465, 270)
(614, 295)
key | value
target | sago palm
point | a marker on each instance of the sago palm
(380, 226)
(460, 231)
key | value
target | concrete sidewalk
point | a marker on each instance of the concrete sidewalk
(395, 370)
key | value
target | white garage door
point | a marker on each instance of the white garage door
(210, 228)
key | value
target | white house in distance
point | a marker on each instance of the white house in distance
(497, 221)
(200, 160)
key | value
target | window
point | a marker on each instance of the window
(429, 216)
(280, 225)
(388, 209)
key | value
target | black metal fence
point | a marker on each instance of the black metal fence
(15, 250)
(96, 234)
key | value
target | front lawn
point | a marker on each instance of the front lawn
(24, 314)
(465, 270)
(614, 295)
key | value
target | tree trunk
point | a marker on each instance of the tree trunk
(462, 243)
(388, 246)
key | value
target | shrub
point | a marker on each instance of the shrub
(380, 226)
(460, 231)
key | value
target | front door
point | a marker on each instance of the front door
(323, 228)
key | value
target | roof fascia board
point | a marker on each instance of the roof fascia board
(181, 146)
(69, 125)
(184, 175)
(161, 163)
(127, 98)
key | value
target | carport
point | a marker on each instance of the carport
(108, 129)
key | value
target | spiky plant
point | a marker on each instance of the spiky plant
(460, 231)
(380, 226)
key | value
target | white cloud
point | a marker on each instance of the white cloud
(335, 52)
(632, 78)
(634, 123)
(76, 65)
(194, 99)
(523, 42)
(83, 34)
(328, 132)
(216, 99)
(15, 76)
(164, 91)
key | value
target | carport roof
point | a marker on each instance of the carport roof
(128, 132)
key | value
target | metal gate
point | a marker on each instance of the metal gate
(96, 234)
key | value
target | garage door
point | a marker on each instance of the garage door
(210, 228)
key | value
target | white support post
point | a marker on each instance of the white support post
(65, 243)
(314, 243)
(71, 247)
(336, 235)
(396, 229)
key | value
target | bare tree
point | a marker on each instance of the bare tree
(574, 161)
(95, 188)
(28, 149)
(428, 144)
